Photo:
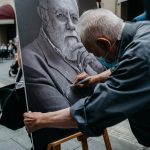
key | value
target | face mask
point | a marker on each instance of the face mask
(105, 63)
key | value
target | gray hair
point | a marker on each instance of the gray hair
(99, 23)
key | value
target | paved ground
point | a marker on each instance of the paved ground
(120, 135)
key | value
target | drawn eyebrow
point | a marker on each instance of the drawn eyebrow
(60, 11)
(75, 15)
(72, 13)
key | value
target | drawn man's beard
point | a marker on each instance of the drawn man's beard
(68, 46)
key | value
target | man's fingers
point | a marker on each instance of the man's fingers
(77, 80)
(28, 115)
(31, 128)
(80, 85)
(29, 118)
(80, 77)
(28, 121)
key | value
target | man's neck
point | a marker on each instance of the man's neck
(120, 33)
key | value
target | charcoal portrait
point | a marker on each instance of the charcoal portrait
(53, 55)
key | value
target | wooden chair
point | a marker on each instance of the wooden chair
(80, 137)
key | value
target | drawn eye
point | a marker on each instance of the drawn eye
(74, 19)
(61, 17)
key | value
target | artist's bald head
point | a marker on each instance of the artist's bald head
(59, 20)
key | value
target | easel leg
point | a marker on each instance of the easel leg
(83, 140)
(106, 140)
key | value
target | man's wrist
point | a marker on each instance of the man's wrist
(57, 119)
(43, 120)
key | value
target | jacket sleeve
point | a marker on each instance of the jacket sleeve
(126, 92)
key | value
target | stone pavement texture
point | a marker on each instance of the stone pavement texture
(120, 135)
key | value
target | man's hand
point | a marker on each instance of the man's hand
(83, 76)
(57, 119)
(33, 121)
(80, 77)
(99, 78)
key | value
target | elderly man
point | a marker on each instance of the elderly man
(126, 92)
(51, 63)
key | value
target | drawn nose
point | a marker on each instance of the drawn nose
(70, 25)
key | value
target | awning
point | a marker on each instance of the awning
(7, 12)
(7, 21)
(7, 15)
(120, 1)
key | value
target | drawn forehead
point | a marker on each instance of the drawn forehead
(64, 5)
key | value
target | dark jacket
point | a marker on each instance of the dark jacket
(126, 94)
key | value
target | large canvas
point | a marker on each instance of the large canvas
(53, 55)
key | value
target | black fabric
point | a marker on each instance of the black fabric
(140, 125)
(13, 106)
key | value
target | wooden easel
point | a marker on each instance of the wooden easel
(80, 137)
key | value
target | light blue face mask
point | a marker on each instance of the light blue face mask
(105, 63)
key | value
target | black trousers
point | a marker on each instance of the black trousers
(140, 126)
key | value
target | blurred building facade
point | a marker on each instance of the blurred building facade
(7, 21)
(126, 9)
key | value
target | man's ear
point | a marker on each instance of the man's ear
(104, 43)
(41, 14)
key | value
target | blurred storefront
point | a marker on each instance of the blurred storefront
(7, 21)
(126, 9)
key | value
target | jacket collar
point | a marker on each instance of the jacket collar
(127, 36)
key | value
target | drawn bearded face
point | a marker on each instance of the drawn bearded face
(60, 21)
